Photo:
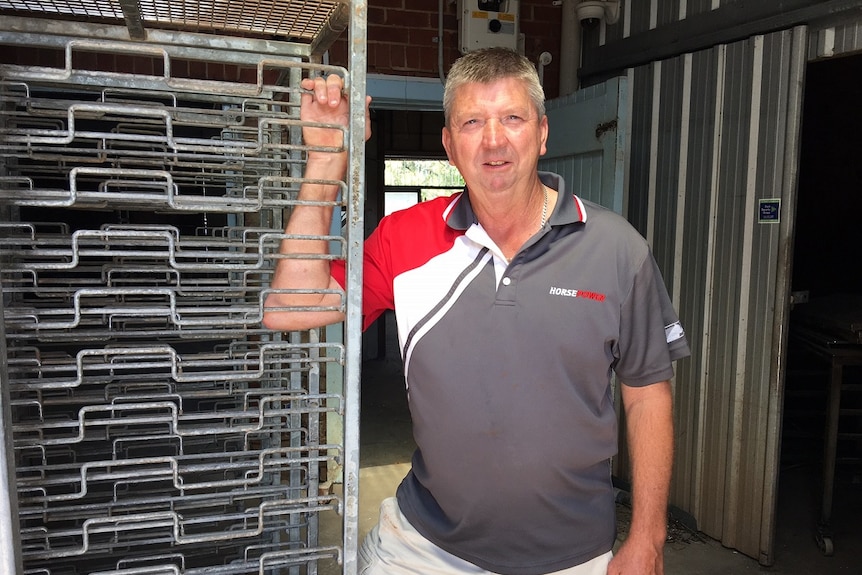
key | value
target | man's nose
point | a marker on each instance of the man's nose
(493, 132)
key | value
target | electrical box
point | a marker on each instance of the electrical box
(487, 24)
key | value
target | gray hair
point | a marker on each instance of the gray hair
(487, 65)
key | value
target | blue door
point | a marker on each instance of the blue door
(586, 143)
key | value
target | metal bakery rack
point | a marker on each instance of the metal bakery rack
(149, 151)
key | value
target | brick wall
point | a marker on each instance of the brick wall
(402, 38)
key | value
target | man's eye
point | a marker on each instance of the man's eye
(512, 119)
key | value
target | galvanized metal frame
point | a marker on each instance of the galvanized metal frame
(10, 540)
(242, 261)
(357, 50)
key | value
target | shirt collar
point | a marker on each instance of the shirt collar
(569, 209)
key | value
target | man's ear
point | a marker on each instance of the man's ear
(544, 127)
(446, 138)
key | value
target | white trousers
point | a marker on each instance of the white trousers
(394, 547)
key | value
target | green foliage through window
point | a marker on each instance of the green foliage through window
(422, 173)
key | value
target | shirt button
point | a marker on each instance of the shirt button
(507, 281)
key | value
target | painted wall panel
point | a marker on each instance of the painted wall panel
(731, 319)
(693, 291)
(585, 142)
(699, 6)
(667, 11)
(640, 151)
(661, 231)
(709, 130)
(836, 39)
(712, 133)
(640, 16)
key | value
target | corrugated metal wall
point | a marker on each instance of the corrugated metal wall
(840, 38)
(712, 134)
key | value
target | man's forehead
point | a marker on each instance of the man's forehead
(470, 97)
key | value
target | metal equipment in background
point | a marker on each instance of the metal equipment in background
(830, 329)
(151, 425)
(486, 24)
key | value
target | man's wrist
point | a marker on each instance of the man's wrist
(654, 534)
(326, 161)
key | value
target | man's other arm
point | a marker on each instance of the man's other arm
(649, 424)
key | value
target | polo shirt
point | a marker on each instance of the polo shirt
(508, 369)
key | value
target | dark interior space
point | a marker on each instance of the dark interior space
(824, 324)
(828, 237)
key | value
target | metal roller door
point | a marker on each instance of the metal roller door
(151, 425)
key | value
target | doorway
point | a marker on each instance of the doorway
(826, 290)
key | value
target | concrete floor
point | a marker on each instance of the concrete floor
(387, 445)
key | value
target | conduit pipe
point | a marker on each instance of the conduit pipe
(440, 42)
(570, 48)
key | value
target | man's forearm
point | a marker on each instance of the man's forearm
(305, 271)
(649, 421)
(302, 271)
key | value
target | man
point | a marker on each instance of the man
(515, 302)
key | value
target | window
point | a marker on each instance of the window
(409, 182)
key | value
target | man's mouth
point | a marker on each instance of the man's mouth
(496, 163)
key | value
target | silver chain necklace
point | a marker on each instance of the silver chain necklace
(544, 213)
(544, 208)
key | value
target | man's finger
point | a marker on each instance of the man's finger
(334, 86)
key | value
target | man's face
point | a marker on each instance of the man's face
(494, 136)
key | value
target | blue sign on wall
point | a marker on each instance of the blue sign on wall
(770, 211)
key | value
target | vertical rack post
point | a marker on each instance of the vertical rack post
(357, 53)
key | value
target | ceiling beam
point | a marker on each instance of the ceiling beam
(134, 23)
(332, 28)
(730, 23)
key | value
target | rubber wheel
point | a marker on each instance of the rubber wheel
(824, 542)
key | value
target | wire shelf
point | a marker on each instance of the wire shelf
(157, 426)
(296, 20)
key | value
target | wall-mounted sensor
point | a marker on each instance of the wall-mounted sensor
(591, 12)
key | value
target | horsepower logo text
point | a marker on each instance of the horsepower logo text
(577, 293)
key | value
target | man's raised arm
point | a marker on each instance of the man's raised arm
(322, 103)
